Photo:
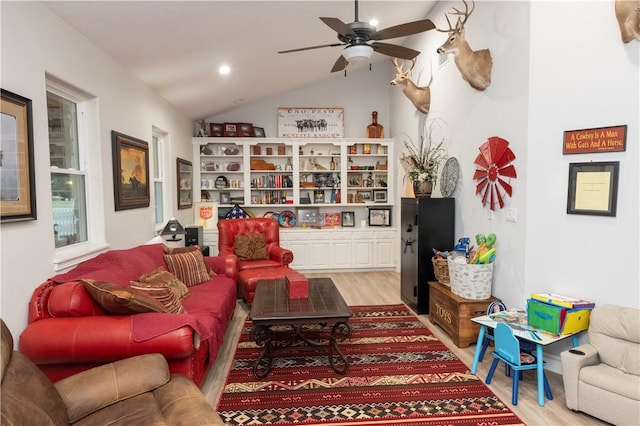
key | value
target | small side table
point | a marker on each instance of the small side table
(453, 313)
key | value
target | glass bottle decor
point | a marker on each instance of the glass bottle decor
(375, 130)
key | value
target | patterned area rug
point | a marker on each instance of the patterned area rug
(399, 374)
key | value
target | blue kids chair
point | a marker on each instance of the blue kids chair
(507, 350)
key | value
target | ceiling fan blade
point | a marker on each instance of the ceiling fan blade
(404, 29)
(311, 47)
(340, 64)
(338, 26)
(394, 50)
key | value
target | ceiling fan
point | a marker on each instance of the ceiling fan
(357, 35)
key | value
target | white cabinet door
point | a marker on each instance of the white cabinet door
(319, 250)
(384, 253)
(341, 250)
(298, 243)
(362, 249)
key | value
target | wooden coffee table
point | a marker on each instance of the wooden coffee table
(272, 307)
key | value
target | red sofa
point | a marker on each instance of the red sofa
(69, 332)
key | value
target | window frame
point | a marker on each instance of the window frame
(89, 166)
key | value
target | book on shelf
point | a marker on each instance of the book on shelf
(564, 301)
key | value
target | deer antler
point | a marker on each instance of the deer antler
(400, 67)
(459, 13)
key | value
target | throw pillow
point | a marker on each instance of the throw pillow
(120, 300)
(250, 246)
(162, 276)
(237, 212)
(177, 250)
(189, 267)
(162, 293)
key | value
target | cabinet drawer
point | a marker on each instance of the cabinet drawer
(385, 235)
(368, 235)
(336, 236)
(297, 236)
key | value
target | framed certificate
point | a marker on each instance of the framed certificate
(593, 188)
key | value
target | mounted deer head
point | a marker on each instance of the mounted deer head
(475, 66)
(628, 15)
(419, 96)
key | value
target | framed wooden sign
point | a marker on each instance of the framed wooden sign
(601, 139)
(310, 122)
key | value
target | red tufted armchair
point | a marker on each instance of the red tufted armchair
(229, 228)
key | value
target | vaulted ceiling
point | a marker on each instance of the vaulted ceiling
(176, 47)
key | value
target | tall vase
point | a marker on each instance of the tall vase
(422, 189)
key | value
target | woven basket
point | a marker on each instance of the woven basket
(441, 270)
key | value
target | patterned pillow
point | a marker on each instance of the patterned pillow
(189, 267)
(250, 246)
(237, 212)
(120, 300)
(176, 250)
(162, 293)
(162, 276)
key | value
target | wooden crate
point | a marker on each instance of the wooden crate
(453, 313)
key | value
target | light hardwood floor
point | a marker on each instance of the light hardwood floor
(380, 288)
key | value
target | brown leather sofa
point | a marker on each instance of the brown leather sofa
(133, 391)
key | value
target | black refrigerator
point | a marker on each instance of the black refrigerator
(426, 223)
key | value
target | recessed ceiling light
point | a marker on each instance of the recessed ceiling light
(224, 69)
(374, 22)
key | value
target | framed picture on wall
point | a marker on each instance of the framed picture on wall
(185, 177)
(17, 174)
(593, 188)
(130, 171)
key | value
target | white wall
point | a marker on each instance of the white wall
(359, 93)
(35, 41)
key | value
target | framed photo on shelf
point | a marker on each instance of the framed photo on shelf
(230, 130)
(185, 177)
(332, 219)
(17, 177)
(308, 216)
(379, 196)
(348, 219)
(318, 196)
(363, 196)
(245, 129)
(297, 122)
(258, 132)
(225, 197)
(380, 217)
(216, 130)
(593, 188)
(130, 172)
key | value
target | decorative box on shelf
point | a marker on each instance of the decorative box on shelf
(453, 313)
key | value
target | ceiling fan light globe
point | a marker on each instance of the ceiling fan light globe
(357, 53)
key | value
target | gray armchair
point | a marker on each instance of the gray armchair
(602, 378)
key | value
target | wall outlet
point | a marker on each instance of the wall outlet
(512, 215)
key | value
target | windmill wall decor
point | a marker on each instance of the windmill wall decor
(493, 170)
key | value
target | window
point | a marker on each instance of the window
(159, 167)
(68, 177)
(75, 166)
